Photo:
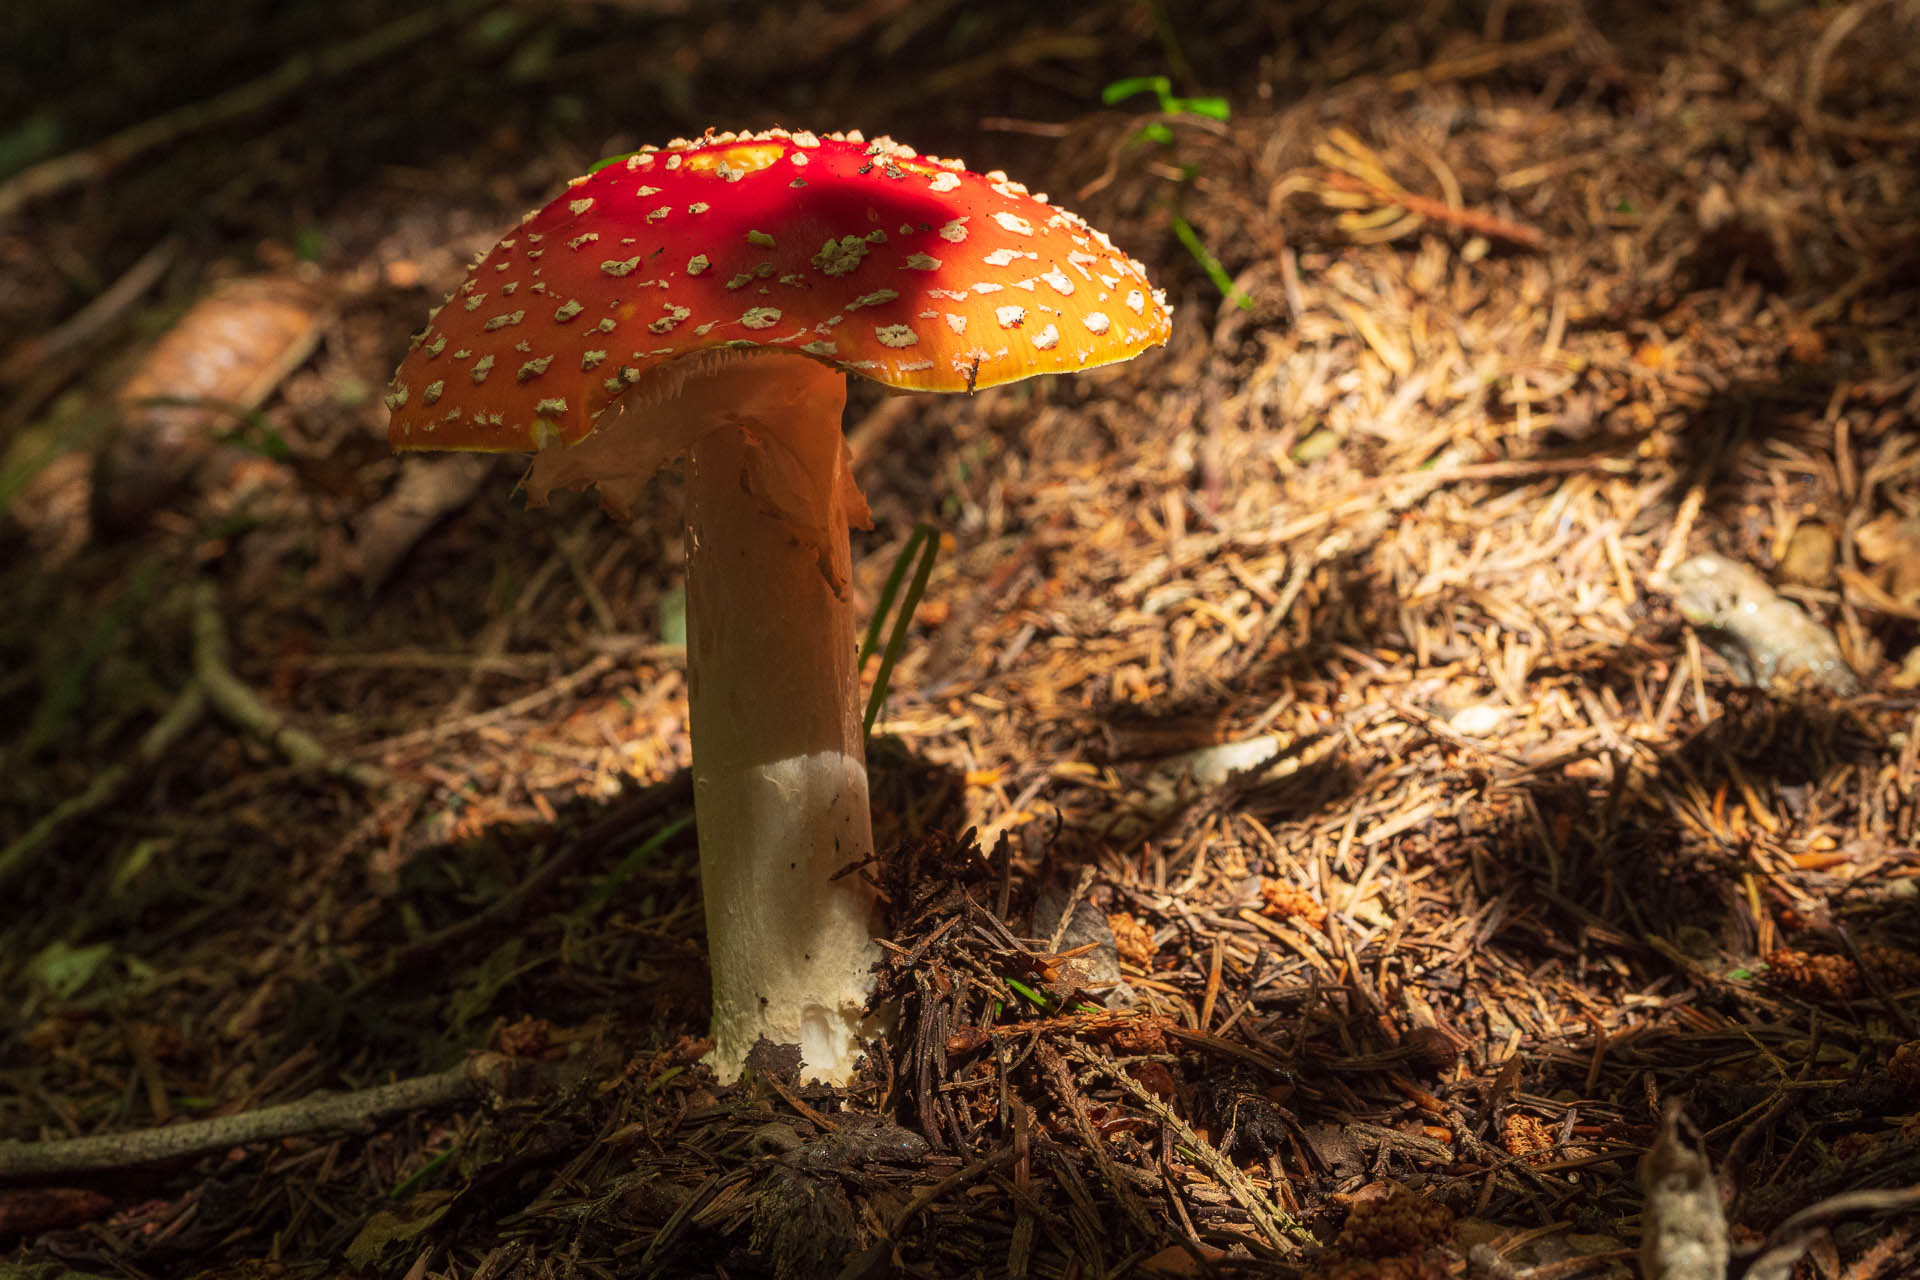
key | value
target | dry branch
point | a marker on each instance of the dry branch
(298, 72)
(479, 1073)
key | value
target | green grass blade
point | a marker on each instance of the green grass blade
(640, 856)
(891, 588)
(1039, 999)
(929, 546)
(1210, 264)
(420, 1175)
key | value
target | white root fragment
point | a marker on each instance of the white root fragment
(1768, 641)
(1684, 1229)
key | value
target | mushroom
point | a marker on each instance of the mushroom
(705, 301)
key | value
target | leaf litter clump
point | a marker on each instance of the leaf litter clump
(1327, 821)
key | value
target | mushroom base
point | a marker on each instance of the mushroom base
(791, 946)
(780, 784)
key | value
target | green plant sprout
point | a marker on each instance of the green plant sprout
(1156, 131)
(1170, 105)
(924, 542)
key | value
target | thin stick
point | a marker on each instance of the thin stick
(213, 687)
(240, 705)
(1476, 221)
(103, 310)
(618, 825)
(1485, 61)
(290, 77)
(184, 712)
(1057, 1075)
(591, 669)
(1279, 1230)
(308, 1115)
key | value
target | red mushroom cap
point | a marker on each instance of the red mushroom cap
(861, 254)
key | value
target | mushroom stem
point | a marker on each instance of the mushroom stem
(779, 767)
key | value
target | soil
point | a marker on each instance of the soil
(1361, 781)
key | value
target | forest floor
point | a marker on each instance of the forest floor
(1463, 688)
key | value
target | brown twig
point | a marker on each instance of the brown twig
(676, 793)
(295, 74)
(214, 687)
(229, 695)
(326, 1111)
(82, 325)
(1279, 1231)
(1061, 1082)
(180, 716)
(1473, 221)
(1483, 62)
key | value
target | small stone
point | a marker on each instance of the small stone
(1810, 556)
